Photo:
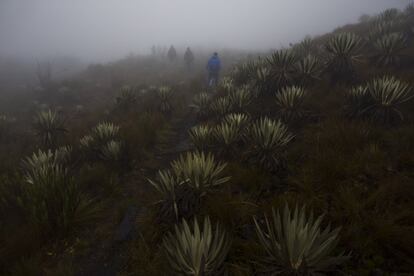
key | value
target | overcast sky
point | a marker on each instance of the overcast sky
(106, 29)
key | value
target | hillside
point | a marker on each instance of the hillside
(300, 162)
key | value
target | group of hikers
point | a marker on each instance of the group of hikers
(213, 64)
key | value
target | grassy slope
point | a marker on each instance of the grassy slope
(363, 182)
(359, 174)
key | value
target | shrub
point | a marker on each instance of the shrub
(48, 126)
(60, 156)
(228, 136)
(240, 99)
(262, 80)
(267, 140)
(230, 133)
(103, 144)
(127, 98)
(296, 244)
(112, 151)
(389, 49)
(380, 29)
(201, 104)
(290, 101)
(357, 99)
(49, 196)
(343, 51)
(221, 106)
(282, 66)
(239, 119)
(201, 136)
(86, 142)
(200, 171)
(165, 94)
(386, 94)
(244, 72)
(227, 84)
(305, 48)
(166, 184)
(105, 131)
(389, 15)
(308, 70)
(192, 176)
(199, 250)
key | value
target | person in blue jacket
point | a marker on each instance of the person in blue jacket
(213, 67)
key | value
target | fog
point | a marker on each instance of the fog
(107, 29)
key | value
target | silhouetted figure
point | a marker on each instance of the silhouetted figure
(213, 67)
(172, 54)
(189, 58)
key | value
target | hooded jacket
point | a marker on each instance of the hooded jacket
(214, 64)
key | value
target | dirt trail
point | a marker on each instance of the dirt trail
(109, 257)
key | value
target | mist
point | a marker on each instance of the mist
(102, 30)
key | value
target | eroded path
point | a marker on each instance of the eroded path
(108, 257)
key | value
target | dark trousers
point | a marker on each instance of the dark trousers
(213, 78)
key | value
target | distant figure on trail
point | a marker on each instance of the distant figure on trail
(172, 54)
(189, 58)
(213, 67)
